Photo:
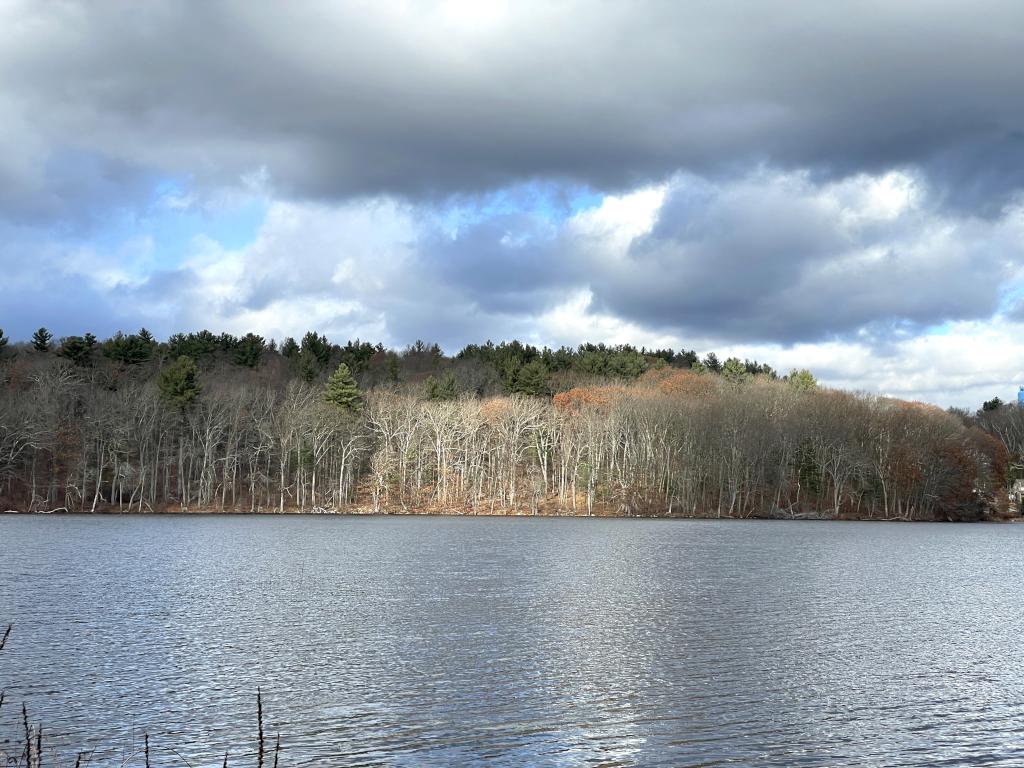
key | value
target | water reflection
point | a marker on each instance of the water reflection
(404, 641)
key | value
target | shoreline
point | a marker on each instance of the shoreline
(493, 515)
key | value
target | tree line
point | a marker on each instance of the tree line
(218, 422)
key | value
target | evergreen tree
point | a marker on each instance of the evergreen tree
(249, 351)
(735, 372)
(627, 363)
(685, 359)
(289, 348)
(532, 379)
(341, 389)
(802, 380)
(307, 364)
(130, 350)
(227, 342)
(712, 363)
(319, 346)
(194, 345)
(78, 349)
(443, 388)
(41, 340)
(357, 354)
(178, 383)
(3, 339)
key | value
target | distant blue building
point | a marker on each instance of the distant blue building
(1020, 397)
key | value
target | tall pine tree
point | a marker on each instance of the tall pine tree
(41, 340)
(179, 383)
(341, 389)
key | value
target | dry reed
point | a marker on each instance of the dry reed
(28, 735)
(259, 718)
(33, 754)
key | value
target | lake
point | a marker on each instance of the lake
(405, 641)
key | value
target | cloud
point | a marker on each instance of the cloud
(966, 364)
(867, 280)
(778, 257)
(793, 181)
(427, 100)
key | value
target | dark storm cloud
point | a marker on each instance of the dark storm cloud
(360, 99)
(768, 121)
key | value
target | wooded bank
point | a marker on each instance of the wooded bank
(175, 436)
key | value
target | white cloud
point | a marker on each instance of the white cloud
(574, 321)
(619, 218)
(366, 269)
(385, 270)
(965, 364)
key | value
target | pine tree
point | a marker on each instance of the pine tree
(992, 405)
(178, 383)
(249, 351)
(289, 348)
(532, 379)
(318, 346)
(802, 380)
(77, 349)
(735, 372)
(308, 365)
(712, 364)
(341, 389)
(443, 388)
(130, 350)
(3, 339)
(41, 340)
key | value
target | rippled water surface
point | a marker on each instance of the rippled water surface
(507, 642)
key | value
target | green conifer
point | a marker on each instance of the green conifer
(532, 379)
(443, 388)
(341, 389)
(802, 380)
(249, 351)
(77, 349)
(179, 384)
(735, 372)
(308, 365)
(41, 340)
(289, 348)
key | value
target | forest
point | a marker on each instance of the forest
(205, 422)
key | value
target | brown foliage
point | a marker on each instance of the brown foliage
(494, 409)
(597, 398)
(679, 383)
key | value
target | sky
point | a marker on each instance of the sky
(837, 186)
